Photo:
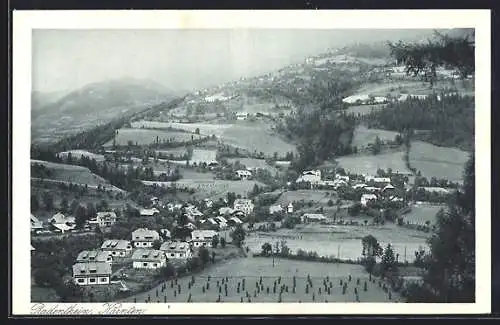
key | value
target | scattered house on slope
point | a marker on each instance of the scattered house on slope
(312, 217)
(361, 185)
(241, 116)
(311, 176)
(177, 250)
(36, 224)
(154, 201)
(61, 223)
(92, 273)
(244, 205)
(149, 212)
(144, 237)
(244, 174)
(148, 259)
(342, 177)
(94, 256)
(103, 219)
(365, 198)
(379, 181)
(275, 209)
(289, 208)
(224, 211)
(117, 247)
(203, 237)
(233, 221)
(208, 203)
(388, 189)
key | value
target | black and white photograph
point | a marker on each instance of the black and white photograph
(177, 166)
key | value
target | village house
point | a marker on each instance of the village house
(342, 177)
(241, 116)
(244, 174)
(209, 223)
(103, 219)
(233, 221)
(365, 198)
(275, 209)
(208, 203)
(177, 250)
(379, 181)
(224, 211)
(221, 222)
(244, 205)
(203, 237)
(165, 233)
(117, 247)
(36, 224)
(144, 237)
(192, 212)
(149, 212)
(311, 176)
(148, 259)
(361, 185)
(61, 223)
(154, 201)
(94, 256)
(92, 273)
(312, 217)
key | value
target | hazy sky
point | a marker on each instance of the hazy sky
(180, 59)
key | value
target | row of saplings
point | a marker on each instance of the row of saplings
(277, 288)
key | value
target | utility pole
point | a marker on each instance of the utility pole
(405, 254)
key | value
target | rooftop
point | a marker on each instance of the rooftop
(93, 268)
(148, 255)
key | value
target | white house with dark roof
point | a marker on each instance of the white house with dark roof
(117, 247)
(244, 205)
(94, 256)
(243, 174)
(148, 259)
(203, 237)
(103, 219)
(36, 224)
(149, 212)
(312, 217)
(176, 250)
(365, 198)
(144, 237)
(311, 176)
(92, 273)
(225, 211)
(289, 208)
(275, 209)
(62, 223)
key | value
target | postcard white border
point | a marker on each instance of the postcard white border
(25, 21)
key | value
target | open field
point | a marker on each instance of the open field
(364, 109)
(439, 162)
(420, 213)
(368, 164)
(176, 152)
(254, 164)
(363, 136)
(211, 188)
(306, 195)
(250, 270)
(256, 137)
(343, 241)
(81, 153)
(72, 174)
(205, 128)
(148, 136)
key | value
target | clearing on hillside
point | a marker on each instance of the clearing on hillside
(253, 163)
(363, 136)
(319, 196)
(257, 275)
(420, 213)
(439, 162)
(149, 136)
(369, 164)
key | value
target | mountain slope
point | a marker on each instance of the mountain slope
(93, 104)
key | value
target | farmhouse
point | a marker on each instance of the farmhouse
(388, 188)
(94, 256)
(342, 177)
(244, 174)
(208, 203)
(290, 208)
(311, 176)
(203, 237)
(103, 219)
(149, 212)
(241, 116)
(165, 233)
(36, 224)
(93, 273)
(148, 259)
(244, 205)
(235, 221)
(154, 201)
(365, 198)
(144, 237)
(225, 211)
(275, 209)
(117, 247)
(177, 250)
(192, 212)
(62, 223)
(312, 217)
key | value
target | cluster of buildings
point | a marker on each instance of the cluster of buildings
(60, 223)
(313, 177)
(94, 267)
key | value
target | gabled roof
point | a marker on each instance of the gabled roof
(142, 233)
(93, 268)
(148, 255)
(236, 219)
(105, 215)
(116, 244)
(175, 246)
(95, 256)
